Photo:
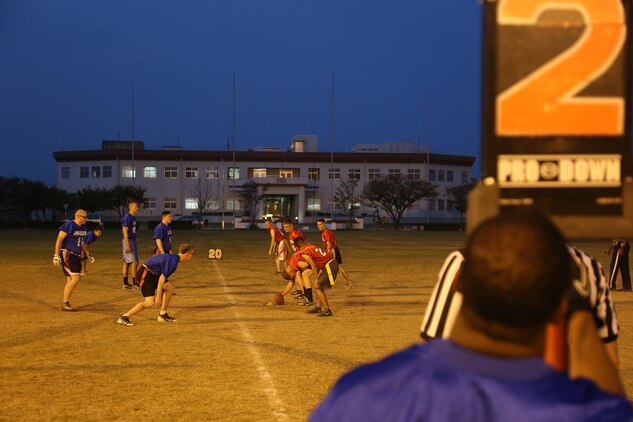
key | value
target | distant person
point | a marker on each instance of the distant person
(329, 243)
(292, 234)
(277, 246)
(515, 279)
(162, 234)
(128, 245)
(69, 247)
(91, 238)
(155, 285)
(620, 262)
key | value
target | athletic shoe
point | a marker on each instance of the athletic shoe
(326, 312)
(315, 310)
(297, 293)
(124, 320)
(350, 284)
(127, 286)
(166, 318)
(67, 308)
(136, 287)
(305, 302)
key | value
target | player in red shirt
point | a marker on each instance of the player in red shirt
(318, 268)
(277, 244)
(292, 234)
(329, 243)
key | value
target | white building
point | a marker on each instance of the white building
(299, 182)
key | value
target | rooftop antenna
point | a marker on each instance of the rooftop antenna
(133, 137)
(233, 136)
(332, 156)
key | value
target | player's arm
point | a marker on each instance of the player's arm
(588, 358)
(271, 249)
(313, 267)
(61, 235)
(128, 248)
(159, 245)
(159, 290)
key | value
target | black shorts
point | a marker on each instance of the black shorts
(71, 263)
(148, 281)
(337, 255)
(328, 274)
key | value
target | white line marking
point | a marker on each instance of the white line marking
(267, 380)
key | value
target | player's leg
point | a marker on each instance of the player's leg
(148, 288)
(626, 275)
(134, 264)
(71, 266)
(168, 292)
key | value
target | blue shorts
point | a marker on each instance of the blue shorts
(131, 257)
(71, 263)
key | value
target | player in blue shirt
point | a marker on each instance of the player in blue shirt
(128, 245)
(515, 279)
(68, 250)
(91, 238)
(155, 285)
(162, 234)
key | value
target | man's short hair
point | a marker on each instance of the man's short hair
(321, 220)
(286, 220)
(516, 269)
(300, 242)
(97, 229)
(165, 214)
(286, 275)
(185, 248)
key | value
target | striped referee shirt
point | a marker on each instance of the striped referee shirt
(446, 301)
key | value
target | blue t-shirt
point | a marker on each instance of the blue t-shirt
(163, 264)
(75, 236)
(163, 232)
(440, 381)
(91, 237)
(129, 221)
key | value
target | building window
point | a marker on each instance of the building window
(150, 172)
(107, 171)
(414, 174)
(84, 172)
(171, 203)
(432, 206)
(393, 173)
(334, 174)
(450, 205)
(95, 172)
(191, 203)
(449, 175)
(258, 173)
(285, 173)
(353, 174)
(212, 173)
(464, 177)
(128, 172)
(314, 204)
(212, 205)
(191, 173)
(314, 174)
(432, 175)
(65, 172)
(234, 173)
(440, 204)
(171, 172)
(440, 175)
(374, 174)
(150, 203)
(230, 203)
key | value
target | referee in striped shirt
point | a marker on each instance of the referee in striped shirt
(446, 301)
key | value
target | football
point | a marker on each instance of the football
(279, 299)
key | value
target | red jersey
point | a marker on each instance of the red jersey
(279, 236)
(318, 255)
(295, 234)
(328, 236)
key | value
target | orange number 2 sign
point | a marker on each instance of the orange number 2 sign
(544, 102)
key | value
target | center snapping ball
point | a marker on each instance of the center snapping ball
(278, 299)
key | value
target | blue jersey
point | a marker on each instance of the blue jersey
(163, 232)
(129, 221)
(440, 381)
(163, 264)
(91, 238)
(75, 236)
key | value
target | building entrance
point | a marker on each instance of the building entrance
(278, 206)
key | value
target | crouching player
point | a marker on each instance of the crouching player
(318, 269)
(154, 284)
(91, 238)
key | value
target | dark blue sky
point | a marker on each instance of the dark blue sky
(67, 67)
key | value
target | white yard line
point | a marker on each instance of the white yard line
(267, 380)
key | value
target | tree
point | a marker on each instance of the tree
(20, 197)
(348, 197)
(252, 198)
(395, 193)
(94, 199)
(119, 197)
(459, 196)
(202, 191)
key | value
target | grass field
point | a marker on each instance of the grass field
(228, 357)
